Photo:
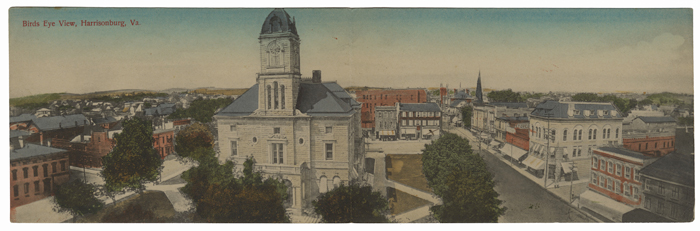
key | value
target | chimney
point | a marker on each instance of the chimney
(21, 142)
(48, 143)
(316, 76)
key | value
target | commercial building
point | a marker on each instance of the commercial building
(419, 120)
(484, 116)
(296, 129)
(389, 97)
(386, 121)
(571, 130)
(669, 187)
(614, 187)
(653, 136)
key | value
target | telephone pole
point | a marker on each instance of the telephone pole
(571, 178)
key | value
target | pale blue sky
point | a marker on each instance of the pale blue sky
(585, 50)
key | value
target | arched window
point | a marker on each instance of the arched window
(282, 93)
(564, 135)
(608, 133)
(323, 185)
(580, 134)
(575, 134)
(269, 97)
(336, 182)
(617, 132)
(595, 131)
(276, 91)
(590, 133)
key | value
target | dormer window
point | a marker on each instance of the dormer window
(606, 112)
(577, 112)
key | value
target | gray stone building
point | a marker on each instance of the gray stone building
(296, 129)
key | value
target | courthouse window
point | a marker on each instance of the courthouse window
(277, 153)
(329, 151)
(234, 148)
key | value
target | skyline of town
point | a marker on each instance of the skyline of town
(176, 48)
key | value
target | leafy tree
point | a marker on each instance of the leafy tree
(193, 141)
(76, 198)
(352, 203)
(460, 178)
(471, 199)
(623, 105)
(467, 113)
(133, 161)
(221, 197)
(201, 110)
(504, 96)
(683, 121)
(646, 101)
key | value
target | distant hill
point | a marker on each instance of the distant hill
(365, 88)
(219, 91)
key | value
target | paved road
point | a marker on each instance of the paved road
(525, 200)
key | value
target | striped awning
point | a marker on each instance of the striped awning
(534, 163)
(387, 133)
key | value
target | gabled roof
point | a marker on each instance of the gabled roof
(18, 133)
(162, 109)
(674, 167)
(421, 107)
(456, 102)
(31, 150)
(657, 119)
(58, 122)
(22, 118)
(337, 90)
(100, 120)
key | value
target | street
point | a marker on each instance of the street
(525, 200)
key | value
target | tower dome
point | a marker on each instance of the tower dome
(278, 21)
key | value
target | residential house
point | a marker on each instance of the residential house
(163, 142)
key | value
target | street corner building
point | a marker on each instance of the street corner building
(302, 130)
(35, 171)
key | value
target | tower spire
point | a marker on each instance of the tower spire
(479, 94)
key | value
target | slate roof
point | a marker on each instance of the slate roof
(105, 120)
(18, 133)
(22, 118)
(419, 107)
(674, 167)
(57, 122)
(456, 102)
(625, 152)
(657, 119)
(642, 215)
(314, 99)
(519, 118)
(556, 109)
(31, 150)
(244, 105)
(462, 94)
(162, 109)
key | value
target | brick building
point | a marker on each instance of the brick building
(163, 142)
(517, 137)
(386, 121)
(669, 187)
(614, 186)
(373, 98)
(35, 171)
(652, 136)
(87, 149)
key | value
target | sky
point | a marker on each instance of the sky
(576, 50)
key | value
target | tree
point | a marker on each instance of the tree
(460, 178)
(133, 161)
(221, 197)
(191, 139)
(504, 96)
(467, 113)
(471, 199)
(352, 203)
(201, 110)
(76, 198)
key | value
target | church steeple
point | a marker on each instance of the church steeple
(479, 94)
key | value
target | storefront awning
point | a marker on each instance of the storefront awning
(387, 133)
(566, 166)
(513, 151)
(603, 205)
(494, 143)
(534, 163)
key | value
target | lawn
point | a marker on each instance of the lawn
(406, 169)
(149, 207)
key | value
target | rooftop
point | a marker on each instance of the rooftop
(674, 167)
(556, 109)
(278, 21)
(22, 118)
(31, 150)
(421, 107)
(18, 133)
(657, 119)
(624, 152)
(58, 122)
